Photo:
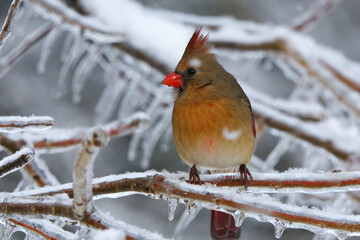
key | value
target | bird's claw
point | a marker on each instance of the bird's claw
(244, 173)
(194, 177)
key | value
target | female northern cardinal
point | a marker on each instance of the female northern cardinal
(212, 122)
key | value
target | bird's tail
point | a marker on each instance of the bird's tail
(223, 226)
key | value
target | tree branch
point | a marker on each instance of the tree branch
(15, 123)
(173, 186)
(16, 161)
(83, 172)
(314, 15)
(6, 28)
(59, 139)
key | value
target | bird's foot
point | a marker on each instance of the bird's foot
(194, 177)
(244, 173)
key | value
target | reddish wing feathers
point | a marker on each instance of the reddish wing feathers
(197, 44)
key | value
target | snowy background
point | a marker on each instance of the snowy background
(25, 92)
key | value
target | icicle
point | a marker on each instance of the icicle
(190, 206)
(47, 46)
(172, 204)
(239, 218)
(279, 228)
(274, 157)
(184, 222)
(108, 100)
(75, 53)
(134, 145)
(81, 233)
(342, 235)
(22, 21)
(165, 142)
(152, 137)
(67, 46)
(83, 70)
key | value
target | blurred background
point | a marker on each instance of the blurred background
(24, 92)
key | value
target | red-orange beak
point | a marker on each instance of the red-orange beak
(173, 80)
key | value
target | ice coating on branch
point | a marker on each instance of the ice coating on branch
(83, 171)
(17, 123)
(16, 161)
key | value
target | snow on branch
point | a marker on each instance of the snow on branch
(39, 207)
(16, 123)
(225, 195)
(90, 29)
(327, 134)
(16, 161)
(43, 228)
(57, 139)
(83, 172)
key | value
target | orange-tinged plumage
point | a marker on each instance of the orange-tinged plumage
(212, 121)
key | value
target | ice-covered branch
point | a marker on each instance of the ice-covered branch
(60, 139)
(6, 28)
(327, 134)
(16, 161)
(43, 228)
(314, 15)
(61, 206)
(226, 196)
(15, 123)
(7, 61)
(83, 172)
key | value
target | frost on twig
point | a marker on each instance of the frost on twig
(43, 228)
(6, 28)
(15, 123)
(83, 172)
(56, 139)
(314, 15)
(16, 161)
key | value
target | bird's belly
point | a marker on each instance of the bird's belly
(210, 152)
(212, 140)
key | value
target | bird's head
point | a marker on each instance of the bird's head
(195, 66)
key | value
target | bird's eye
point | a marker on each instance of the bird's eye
(191, 71)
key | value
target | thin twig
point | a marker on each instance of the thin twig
(83, 172)
(315, 14)
(15, 123)
(6, 28)
(65, 138)
(7, 61)
(16, 161)
(44, 228)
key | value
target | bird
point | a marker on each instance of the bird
(212, 122)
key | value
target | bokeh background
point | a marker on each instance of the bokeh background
(24, 92)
